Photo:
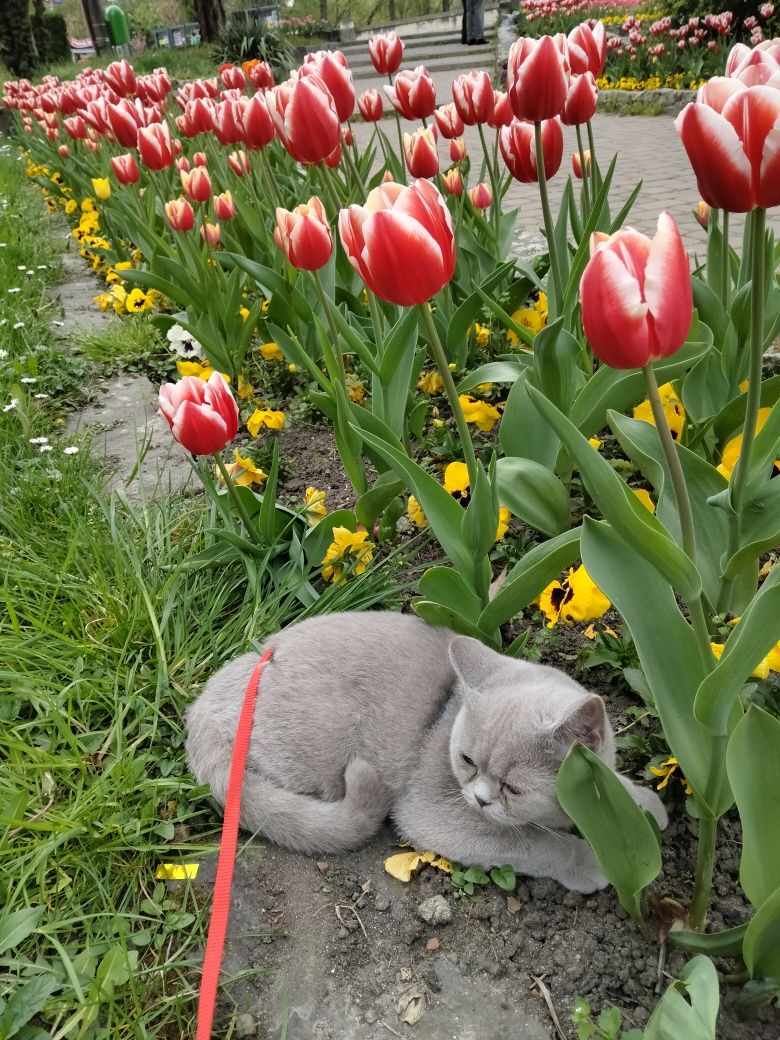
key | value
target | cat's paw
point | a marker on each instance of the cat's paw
(649, 800)
(582, 873)
(365, 790)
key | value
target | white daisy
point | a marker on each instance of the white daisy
(28, 379)
(11, 405)
(44, 448)
(19, 325)
(39, 440)
(70, 450)
(17, 289)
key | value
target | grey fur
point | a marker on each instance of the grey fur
(364, 715)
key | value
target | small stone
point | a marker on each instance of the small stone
(370, 1016)
(453, 958)
(323, 866)
(493, 968)
(405, 975)
(245, 1025)
(381, 903)
(435, 911)
(432, 944)
(409, 931)
(343, 932)
(573, 899)
(513, 905)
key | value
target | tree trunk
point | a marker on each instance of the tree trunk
(211, 19)
(323, 10)
(17, 46)
(391, 10)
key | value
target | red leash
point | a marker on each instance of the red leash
(220, 906)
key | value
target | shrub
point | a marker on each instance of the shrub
(243, 40)
(55, 33)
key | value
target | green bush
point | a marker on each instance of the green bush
(55, 33)
(243, 40)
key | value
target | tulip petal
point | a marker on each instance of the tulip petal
(200, 430)
(668, 288)
(614, 315)
(755, 116)
(405, 261)
(722, 168)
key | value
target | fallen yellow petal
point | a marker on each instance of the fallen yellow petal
(176, 871)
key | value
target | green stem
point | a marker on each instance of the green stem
(725, 266)
(334, 332)
(684, 511)
(585, 188)
(268, 179)
(376, 321)
(494, 186)
(741, 473)
(236, 498)
(400, 138)
(354, 171)
(440, 360)
(549, 228)
(595, 181)
(705, 863)
(333, 199)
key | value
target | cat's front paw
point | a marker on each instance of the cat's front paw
(582, 873)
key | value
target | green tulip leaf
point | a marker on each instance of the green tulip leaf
(612, 823)
(447, 617)
(727, 943)
(445, 586)
(761, 948)
(480, 521)
(753, 762)
(522, 434)
(496, 372)
(371, 504)
(689, 1007)
(557, 372)
(760, 530)
(729, 421)
(534, 494)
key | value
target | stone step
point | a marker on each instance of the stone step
(467, 58)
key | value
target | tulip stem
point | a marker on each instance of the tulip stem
(583, 168)
(330, 191)
(440, 360)
(496, 207)
(684, 511)
(595, 177)
(268, 179)
(549, 227)
(725, 265)
(334, 332)
(236, 498)
(705, 863)
(376, 321)
(400, 136)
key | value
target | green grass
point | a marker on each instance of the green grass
(105, 636)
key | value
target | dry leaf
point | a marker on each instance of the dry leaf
(412, 1004)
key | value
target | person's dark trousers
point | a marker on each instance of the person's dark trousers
(463, 36)
(473, 22)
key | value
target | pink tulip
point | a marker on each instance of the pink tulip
(481, 196)
(227, 122)
(637, 301)
(261, 76)
(233, 77)
(257, 127)
(239, 163)
(196, 183)
(333, 69)
(305, 118)
(735, 153)
(125, 168)
(203, 416)
(401, 242)
(123, 120)
(473, 96)
(303, 235)
(413, 94)
(716, 91)
(452, 181)
(420, 153)
(155, 146)
(75, 127)
(224, 206)
(518, 149)
(581, 98)
(386, 52)
(576, 163)
(537, 77)
(448, 121)
(502, 110)
(210, 233)
(180, 214)
(587, 49)
(457, 149)
(120, 77)
(370, 105)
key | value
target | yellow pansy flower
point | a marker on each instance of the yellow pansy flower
(484, 388)
(201, 369)
(119, 296)
(137, 302)
(402, 865)
(104, 301)
(576, 598)
(644, 497)
(430, 382)
(355, 390)
(264, 417)
(482, 414)
(667, 770)
(732, 449)
(672, 406)
(243, 471)
(71, 206)
(314, 503)
(245, 388)
(415, 513)
(272, 352)
(762, 669)
(456, 479)
(504, 516)
(350, 552)
(595, 443)
(481, 335)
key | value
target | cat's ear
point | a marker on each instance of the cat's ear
(473, 662)
(586, 725)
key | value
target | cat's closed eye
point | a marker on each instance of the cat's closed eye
(469, 762)
(509, 789)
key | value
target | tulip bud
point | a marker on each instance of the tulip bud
(457, 149)
(125, 168)
(180, 214)
(420, 153)
(155, 146)
(481, 196)
(386, 52)
(63, 151)
(702, 214)
(239, 163)
(256, 124)
(75, 127)
(448, 121)
(581, 98)
(305, 118)
(120, 77)
(182, 163)
(196, 183)
(473, 96)
(412, 94)
(232, 76)
(334, 71)
(199, 159)
(537, 77)
(636, 296)
(453, 181)
(203, 416)
(587, 49)
(576, 163)
(102, 188)
(91, 144)
(387, 177)
(210, 233)
(303, 235)
(261, 77)
(123, 119)
(224, 207)
(346, 137)
(518, 149)
(502, 110)
(370, 105)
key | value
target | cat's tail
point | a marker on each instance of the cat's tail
(299, 821)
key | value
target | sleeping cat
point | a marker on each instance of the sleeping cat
(368, 714)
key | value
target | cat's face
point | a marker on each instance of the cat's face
(513, 731)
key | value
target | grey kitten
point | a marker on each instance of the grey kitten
(361, 715)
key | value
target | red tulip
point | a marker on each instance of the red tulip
(75, 127)
(370, 105)
(125, 168)
(200, 114)
(735, 153)
(257, 128)
(180, 214)
(386, 52)
(123, 120)
(232, 76)
(261, 77)
(636, 295)
(154, 87)
(203, 416)
(334, 71)
(457, 149)
(224, 207)
(401, 242)
(239, 163)
(481, 196)
(716, 91)
(420, 153)
(96, 114)
(448, 121)
(210, 233)
(576, 163)
(413, 94)
(305, 118)
(537, 77)
(303, 235)
(518, 149)
(755, 68)
(63, 151)
(502, 110)
(473, 95)
(120, 77)
(199, 159)
(182, 163)
(155, 146)
(196, 183)
(581, 98)
(227, 122)
(332, 160)
(587, 49)
(452, 181)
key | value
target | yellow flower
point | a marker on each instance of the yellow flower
(264, 417)
(350, 552)
(591, 631)
(504, 516)
(314, 503)
(244, 312)
(102, 187)
(761, 671)
(292, 368)
(137, 302)
(87, 205)
(415, 513)
(484, 415)
(438, 423)
(673, 410)
(481, 335)
(595, 443)
(403, 864)
(484, 388)
(119, 295)
(541, 307)
(456, 479)
(71, 206)
(355, 390)
(243, 471)
(272, 352)
(533, 318)
(104, 301)
(576, 598)
(201, 369)
(731, 451)
(667, 770)
(264, 306)
(644, 497)
(430, 382)
(245, 388)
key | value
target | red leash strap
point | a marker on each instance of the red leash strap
(220, 906)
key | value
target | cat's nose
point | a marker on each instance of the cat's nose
(482, 802)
